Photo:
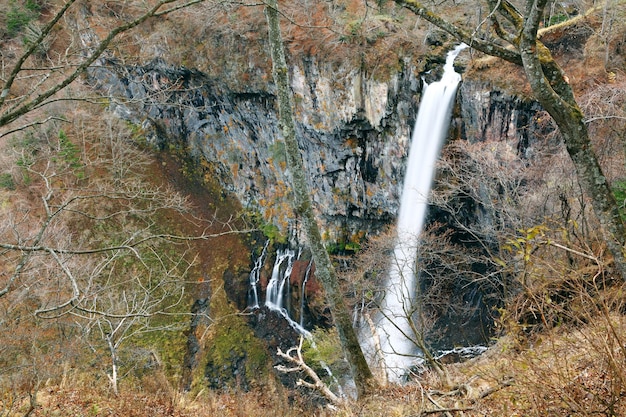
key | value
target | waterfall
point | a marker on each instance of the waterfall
(277, 296)
(278, 285)
(255, 276)
(430, 131)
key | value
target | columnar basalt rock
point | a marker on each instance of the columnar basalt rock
(490, 114)
(353, 131)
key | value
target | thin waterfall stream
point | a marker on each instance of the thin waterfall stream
(398, 305)
(277, 293)
(255, 275)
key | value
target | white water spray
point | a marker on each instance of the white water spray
(255, 276)
(279, 282)
(431, 128)
(277, 292)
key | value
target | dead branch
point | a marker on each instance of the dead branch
(496, 388)
(446, 410)
(301, 366)
(440, 408)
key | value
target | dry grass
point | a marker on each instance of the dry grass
(55, 401)
(565, 371)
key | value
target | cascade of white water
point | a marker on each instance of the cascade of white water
(431, 128)
(307, 273)
(277, 292)
(255, 276)
(279, 282)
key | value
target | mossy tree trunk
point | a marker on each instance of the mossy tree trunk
(324, 270)
(551, 89)
(555, 95)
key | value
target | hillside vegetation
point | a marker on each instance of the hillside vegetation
(109, 246)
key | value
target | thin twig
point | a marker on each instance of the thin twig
(446, 410)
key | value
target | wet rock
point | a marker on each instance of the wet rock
(275, 332)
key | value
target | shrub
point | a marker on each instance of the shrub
(6, 181)
(19, 15)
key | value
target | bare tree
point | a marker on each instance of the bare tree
(86, 242)
(117, 312)
(74, 202)
(29, 83)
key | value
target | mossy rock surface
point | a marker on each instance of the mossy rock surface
(235, 358)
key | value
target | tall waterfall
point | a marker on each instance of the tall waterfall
(430, 131)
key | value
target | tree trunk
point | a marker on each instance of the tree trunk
(557, 98)
(114, 361)
(324, 270)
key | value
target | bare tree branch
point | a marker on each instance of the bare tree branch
(11, 115)
(32, 124)
(294, 356)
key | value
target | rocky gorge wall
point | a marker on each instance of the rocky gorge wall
(354, 133)
(487, 113)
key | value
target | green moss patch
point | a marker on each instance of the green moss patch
(235, 359)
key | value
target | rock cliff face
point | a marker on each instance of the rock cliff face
(489, 114)
(354, 133)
